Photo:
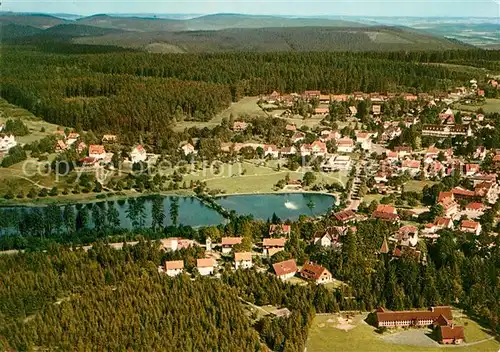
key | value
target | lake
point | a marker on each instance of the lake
(194, 213)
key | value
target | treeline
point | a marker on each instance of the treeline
(130, 92)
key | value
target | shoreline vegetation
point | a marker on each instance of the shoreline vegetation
(70, 199)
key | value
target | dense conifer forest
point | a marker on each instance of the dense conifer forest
(130, 92)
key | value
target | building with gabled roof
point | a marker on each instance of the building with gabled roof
(205, 266)
(272, 246)
(281, 229)
(243, 260)
(471, 227)
(229, 242)
(286, 269)
(316, 273)
(97, 152)
(410, 318)
(174, 267)
(451, 334)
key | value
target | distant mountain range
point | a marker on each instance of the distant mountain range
(236, 32)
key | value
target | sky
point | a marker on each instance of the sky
(416, 8)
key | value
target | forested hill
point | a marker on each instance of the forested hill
(280, 39)
(222, 33)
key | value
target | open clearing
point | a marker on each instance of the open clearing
(491, 105)
(417, 186)
(352, 334)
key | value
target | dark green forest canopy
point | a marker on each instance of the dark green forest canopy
(130, 92)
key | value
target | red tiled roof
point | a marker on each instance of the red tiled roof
(204, 263)
(442, 221)
(285, 267)
(96, 149)
(384, 216)
(280, 228)
(386, 209)
(452, 332)
(474, 206)
(345, 215)
(463, 192)
(174, 264)
(432, 314)
(231, 241)
(242, 256)
(313, 271)
(469, 224)
(274, 242)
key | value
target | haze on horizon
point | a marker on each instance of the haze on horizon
(366, 8)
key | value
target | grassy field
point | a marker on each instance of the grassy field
(324, 335)
(35, 124)
(417, 186)
(245, 107)
(491, 105)
(250, 178)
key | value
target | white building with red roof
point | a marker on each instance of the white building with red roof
(271, 246)
(205, 266)
(174, 267)
(345, 145)
(97, 152)
(138, 154)
(229, 242)
(243, 260)
(285, 270)
(471, 227)
(474, 210)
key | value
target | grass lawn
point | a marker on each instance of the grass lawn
(325, 336)
(491, 105)
(246, 106)
(417, 186)
(35, 124)
(297, 281)
(371, 197)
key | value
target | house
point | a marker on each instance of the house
(345, 145)
(285, 270)
(138, 154)
(243, 260)
(174, 267)
(447, 117)
(444, 131)
(60, 146)
(328, 238)
(328, 135)
(447, 201)
(305, 149)
(440, 223)
(474, 210)
(109, 138)
(386, 213)
(471, 169)
(280, 229)
(480, 153)
(321, 111)
(7, 142)
(271, 246)
(376, 110)
(316, 273)
(488, 190)
(286, 151)
(471, 227)
(407, 236)
(364, 139)
(339, 97)
(403, 151)
(451, 334)
(229, 242)
(239, 126)
(97, 152)
(412, 318)
(271, 150)
(345, 216)
(188, 149)
(462, 193)
(72, 138)
(318, 148)
(80, 148)
(324, 98)
(391, 156)
(298, 137)
(205, 266)
(174, 243)
(311, 94)
(412, 166)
